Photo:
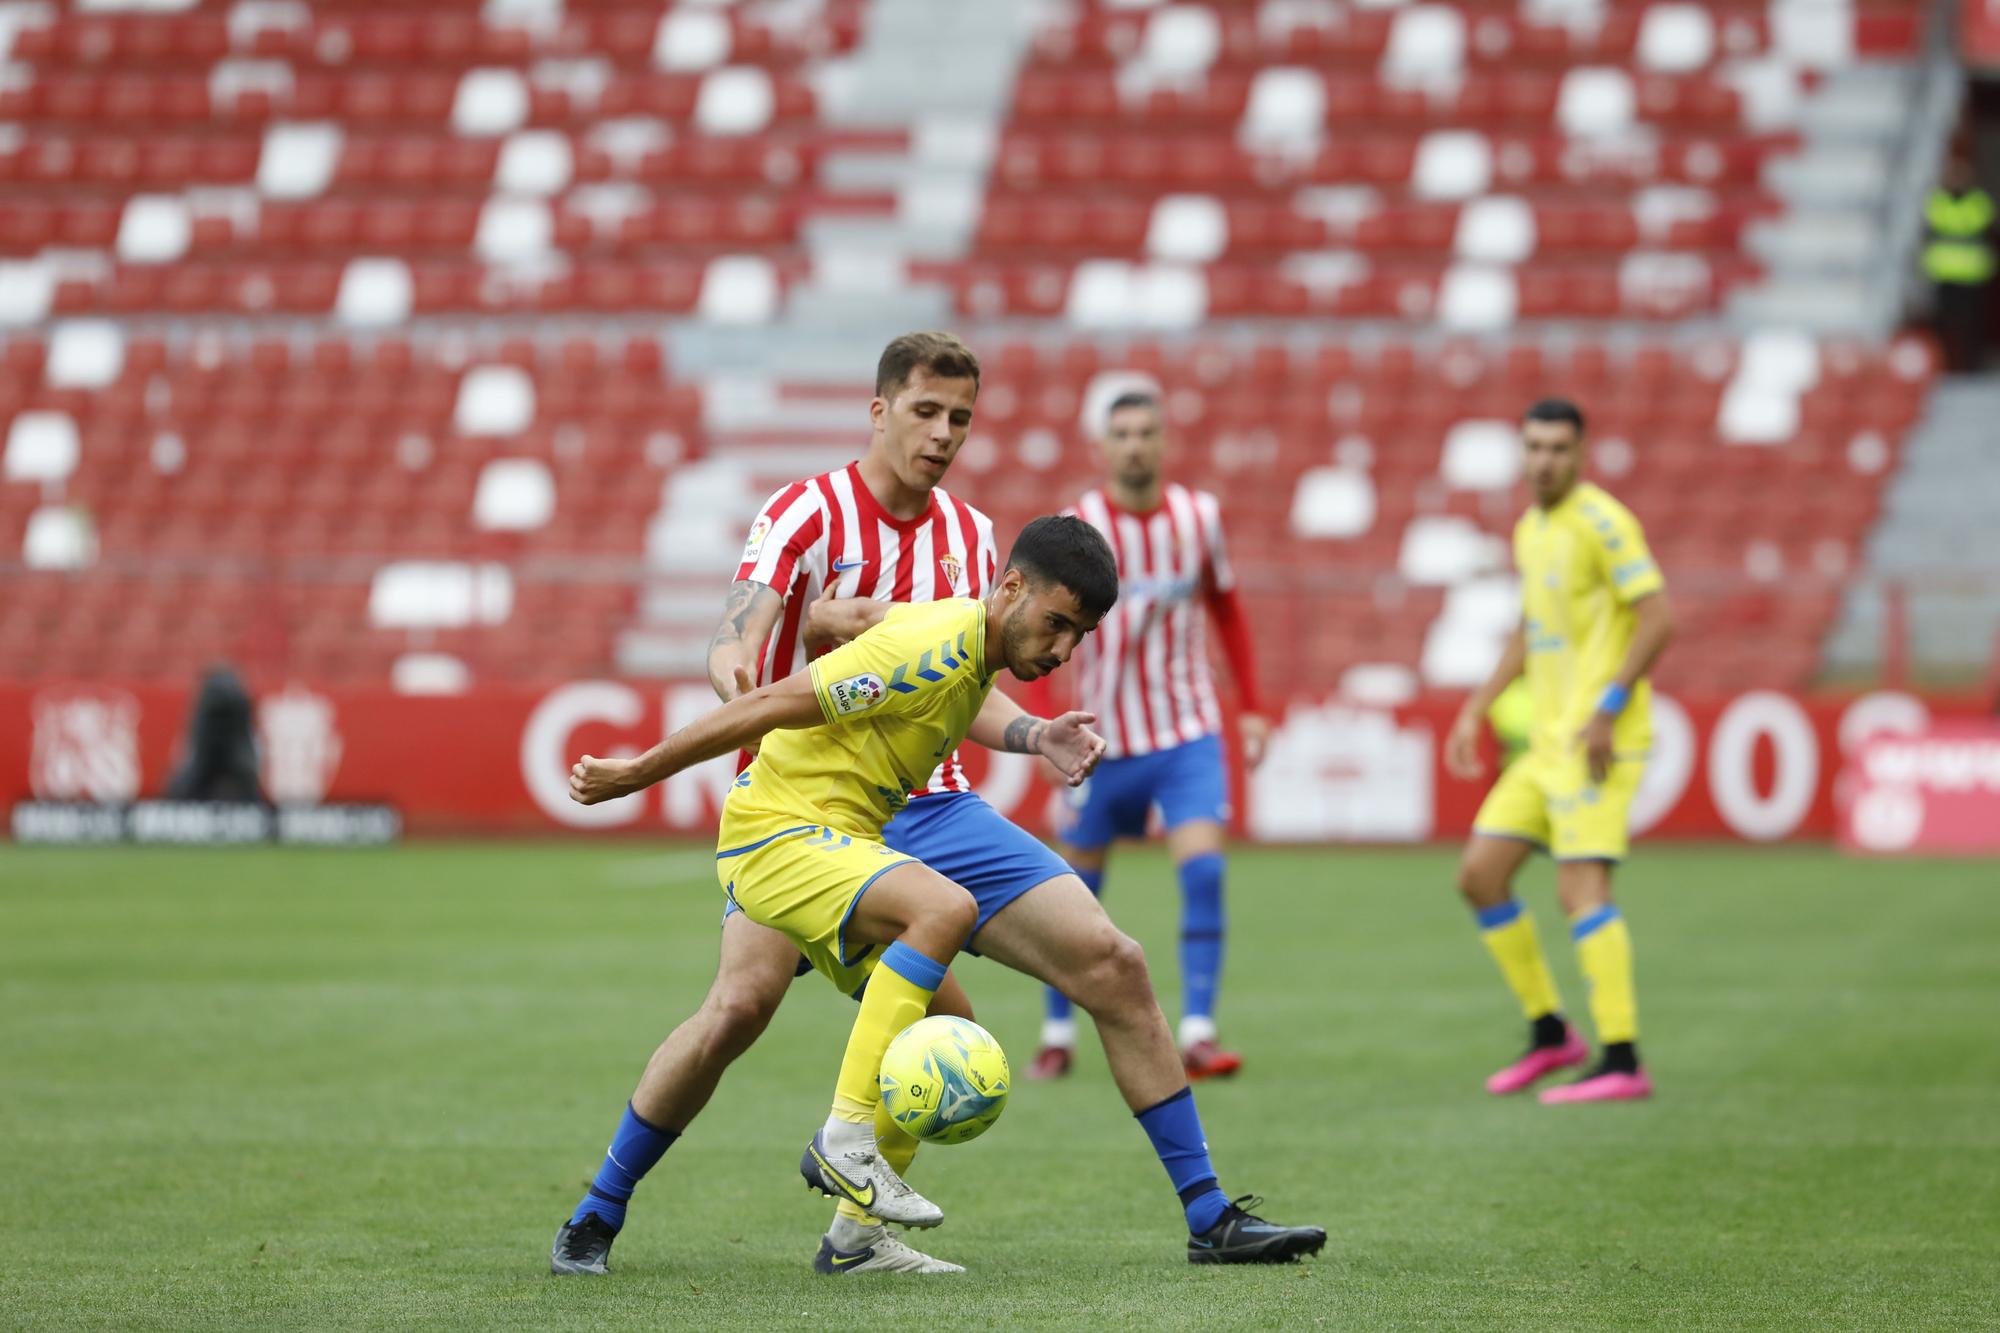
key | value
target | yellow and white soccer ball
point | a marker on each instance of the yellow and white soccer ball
(945, 1080)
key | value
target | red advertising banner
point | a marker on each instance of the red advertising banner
(1758, 766)
(1937, 790)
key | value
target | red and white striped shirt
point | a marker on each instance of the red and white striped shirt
(832, 526)
(1145, 672)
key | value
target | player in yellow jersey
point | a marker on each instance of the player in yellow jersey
(1594, 619)
(800, 850)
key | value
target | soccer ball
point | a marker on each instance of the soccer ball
(945, 1080)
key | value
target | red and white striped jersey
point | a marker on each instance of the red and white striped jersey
(1145, 672)
(832, 527)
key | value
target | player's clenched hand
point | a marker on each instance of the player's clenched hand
(821, 627)
(1595, 738)
(1461, 749)
(1070, 744)
(1255, 731)
(832, 621)
(594, 780)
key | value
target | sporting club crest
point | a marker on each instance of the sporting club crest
(302, 745)
(86, 745)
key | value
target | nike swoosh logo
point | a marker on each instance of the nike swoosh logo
(842, 566)
(843, 1260)
(862, 1197)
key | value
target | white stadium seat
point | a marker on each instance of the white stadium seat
(494, 400)
(1333, 502)
(514, 495)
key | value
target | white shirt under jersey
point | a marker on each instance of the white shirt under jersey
(832, 527)
(1145, 672)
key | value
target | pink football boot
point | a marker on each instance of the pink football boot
(1539, 1063)
(1605, 1087)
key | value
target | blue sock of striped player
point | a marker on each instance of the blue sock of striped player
(1174, 1126)
(635, 1149)
(1058, 1003)
(1201, 933)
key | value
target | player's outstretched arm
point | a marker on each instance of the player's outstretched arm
(738, 641)
(1461, 746)
(741, 722)
(1066, 741)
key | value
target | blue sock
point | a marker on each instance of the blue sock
(1201, 933)
(635, 1149)
(1058, 1003)
(1174, 1126)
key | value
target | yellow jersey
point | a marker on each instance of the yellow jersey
(1582, 564)
(896, 700)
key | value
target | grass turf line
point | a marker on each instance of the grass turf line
(291, 1088)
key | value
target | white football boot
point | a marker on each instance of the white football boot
(850, 1168)
(875, 1250)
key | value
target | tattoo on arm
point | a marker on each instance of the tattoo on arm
(734, 613)
(739, 640)
(1023, 735)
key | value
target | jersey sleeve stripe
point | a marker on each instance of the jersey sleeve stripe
(794, 528)
(1221, 574)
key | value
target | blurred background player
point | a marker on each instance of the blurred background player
(1594, 619)
(820, 554)
(1146, 676)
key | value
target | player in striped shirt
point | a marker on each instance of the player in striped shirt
(1146, 675)
(825, 559)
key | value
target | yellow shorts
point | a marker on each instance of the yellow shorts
(803, 880)
(1550, 801)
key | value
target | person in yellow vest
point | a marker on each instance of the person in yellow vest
(1958, 259)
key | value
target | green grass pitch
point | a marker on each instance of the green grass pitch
(344, 1089)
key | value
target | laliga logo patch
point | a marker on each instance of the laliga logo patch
(949, 563)
(758, 532)
(857, 694)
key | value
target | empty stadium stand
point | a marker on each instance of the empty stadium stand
(365, 342)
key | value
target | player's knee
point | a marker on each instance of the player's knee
(1479, 885)
(736, 1016)
(1115, 976)
(955, 912)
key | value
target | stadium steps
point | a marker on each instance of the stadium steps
(1836, 258)
(945, 73)
(762, 435)
(1935, 537)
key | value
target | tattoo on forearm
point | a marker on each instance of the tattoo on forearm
(734, 613)
(1022, 736)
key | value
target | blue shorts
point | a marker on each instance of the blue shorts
(1186, 783)
(974, 846)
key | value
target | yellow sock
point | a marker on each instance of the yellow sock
(1509, 933)
(1604, 954)
(897, 996)
(894, 1144)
